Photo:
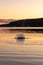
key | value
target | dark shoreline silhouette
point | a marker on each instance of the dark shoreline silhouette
(25, 23)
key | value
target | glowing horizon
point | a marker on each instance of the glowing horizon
(21, 9)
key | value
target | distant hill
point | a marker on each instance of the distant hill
(5, 21)
(25, 23)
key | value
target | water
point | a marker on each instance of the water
(20, 52)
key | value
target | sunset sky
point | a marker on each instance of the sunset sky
(21, 9)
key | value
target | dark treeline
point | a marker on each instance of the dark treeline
(25, 23)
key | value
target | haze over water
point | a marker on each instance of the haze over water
(20, 52)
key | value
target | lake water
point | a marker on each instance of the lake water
(20, 52)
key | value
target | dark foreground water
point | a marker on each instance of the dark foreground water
(20, 52)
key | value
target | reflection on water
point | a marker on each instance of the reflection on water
(20, 52)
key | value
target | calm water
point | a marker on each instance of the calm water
(20, 52)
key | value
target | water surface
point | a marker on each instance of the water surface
(20, 52)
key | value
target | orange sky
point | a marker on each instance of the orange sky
(21, 9)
